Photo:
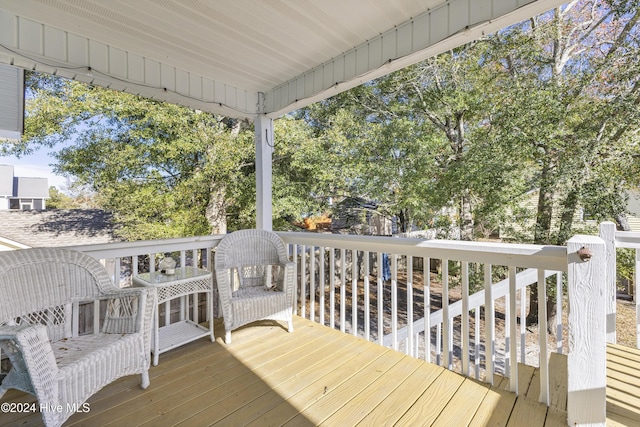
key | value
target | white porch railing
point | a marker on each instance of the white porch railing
(397, 311)
(380, 310)
(193, 251)
(123, 259)
(620, 239)
(331, 284)
(476, 301)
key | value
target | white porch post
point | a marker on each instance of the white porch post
(608, 234)
(264, 151)
(587, 358)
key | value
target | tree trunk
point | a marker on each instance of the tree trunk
(404, 220)
(542, 233)
(551, 315)
(216, 210)
(622, 222)
(569, 207)
(466, 217)
(456, 136)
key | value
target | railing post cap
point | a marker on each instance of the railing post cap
(583, 240)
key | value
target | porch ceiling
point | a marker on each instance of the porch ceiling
(221, 55)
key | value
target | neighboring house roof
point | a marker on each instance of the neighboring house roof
(357, 213)
(56, 227)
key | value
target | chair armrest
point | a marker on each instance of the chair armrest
(288, 281)
(34, 366)
(289, 265)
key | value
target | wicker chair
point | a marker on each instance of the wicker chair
(41, 290)
(255, 279)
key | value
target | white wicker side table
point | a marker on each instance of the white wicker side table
(186, 281)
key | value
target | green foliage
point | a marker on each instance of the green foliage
(164, 170)
(153, 165)
(468, 134)
(625, 266)
(569, 109)
(456, 141)
(58, 200)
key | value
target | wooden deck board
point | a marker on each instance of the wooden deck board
(334, 397)
(297, 391)
(463, 405)
(379, 391)
(555, 418)
(216, 401)
(495, 409)
(389, 411)
(558, 386)
(525, 375)
(623, 386)
(193, 374)
(527, 412)
(319, 376)
(285, 371)
(430, 404)
(333, 374)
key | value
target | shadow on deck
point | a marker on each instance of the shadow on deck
(315, 376)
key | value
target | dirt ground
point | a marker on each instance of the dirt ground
(626, 323)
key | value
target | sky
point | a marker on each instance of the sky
(35, 165)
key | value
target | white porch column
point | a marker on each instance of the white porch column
(264, 151)
(587, 358)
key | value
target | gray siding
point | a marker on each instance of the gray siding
(31, 187)
(11, 102)
(6, 180)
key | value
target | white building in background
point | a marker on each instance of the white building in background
(22, 193)
(633, 205)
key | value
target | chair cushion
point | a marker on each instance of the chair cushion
(69, 351)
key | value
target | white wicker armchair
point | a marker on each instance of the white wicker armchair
(41, 289)
(255, 279)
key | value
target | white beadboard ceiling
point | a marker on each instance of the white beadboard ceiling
(241, 57)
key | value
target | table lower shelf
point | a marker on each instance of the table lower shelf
(179, 333)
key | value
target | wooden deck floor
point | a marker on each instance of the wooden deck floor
(623, 386)
(315, 376)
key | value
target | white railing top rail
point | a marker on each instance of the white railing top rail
(627, 239)
(124, 249)
(522, 255)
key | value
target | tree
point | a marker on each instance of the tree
(417, 142)
(163, 170)
(75, 197)
(569, 107)
(367, 150)
(58, 200)
(548, 104)
(448, 94)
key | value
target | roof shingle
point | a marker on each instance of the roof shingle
(55, 227)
